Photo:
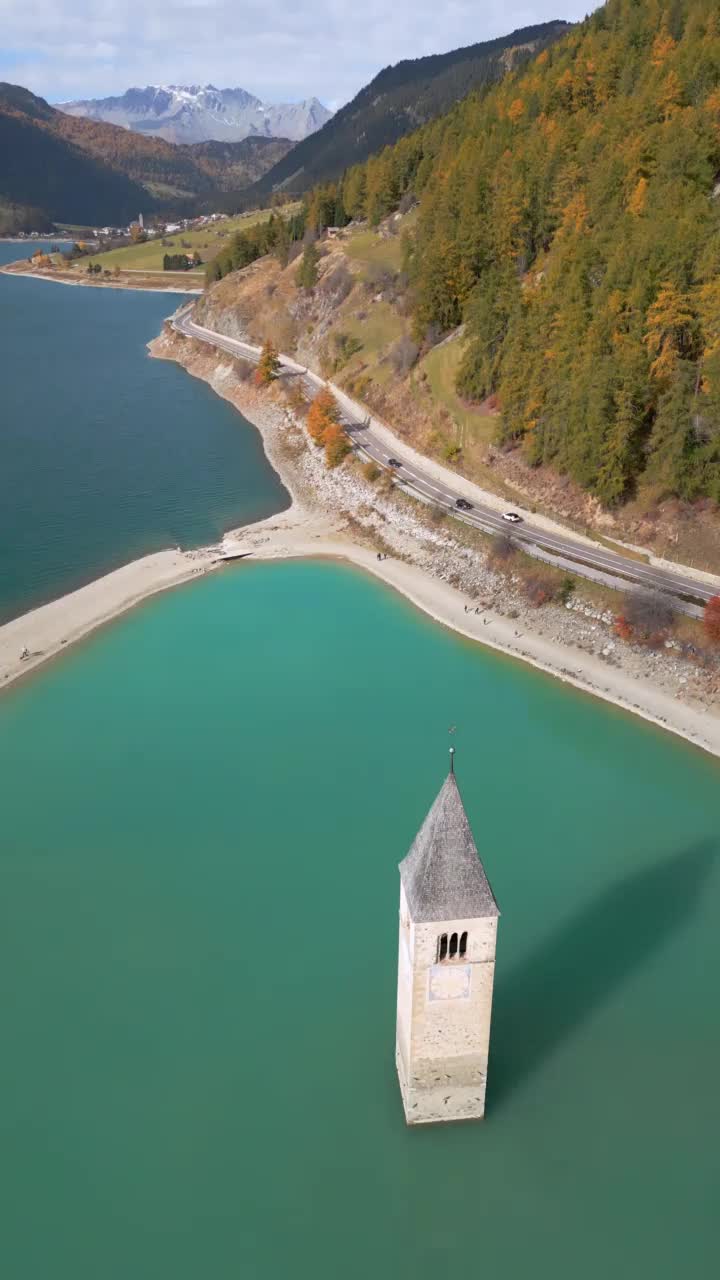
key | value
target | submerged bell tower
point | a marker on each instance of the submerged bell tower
(446, 967)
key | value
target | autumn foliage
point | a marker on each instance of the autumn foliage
(569, 218)
(325, 429)
(337, 445)
(268, 365)
(647, 618)
(323, 414)
(711, 619)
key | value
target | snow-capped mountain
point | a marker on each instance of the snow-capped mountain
(200, 113)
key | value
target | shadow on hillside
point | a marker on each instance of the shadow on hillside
(583, 965)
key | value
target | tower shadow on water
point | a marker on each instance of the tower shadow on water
(574, 972)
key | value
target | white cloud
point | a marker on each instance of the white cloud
(91, 48)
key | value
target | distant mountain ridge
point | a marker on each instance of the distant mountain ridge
(399, 100)
(104, 160)
(202, 113)
(86, 171)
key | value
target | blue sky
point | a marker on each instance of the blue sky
(280, 51)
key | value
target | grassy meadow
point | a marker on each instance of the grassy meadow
(207, 241)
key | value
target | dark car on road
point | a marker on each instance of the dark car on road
(393, 462)
(463, 505)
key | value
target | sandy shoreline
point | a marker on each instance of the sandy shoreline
(296, 535)
(92, 284)
(305, 531)
(47, 630)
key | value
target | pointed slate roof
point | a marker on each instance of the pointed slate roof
(442, 874)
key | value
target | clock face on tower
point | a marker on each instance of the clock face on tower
(449, 982)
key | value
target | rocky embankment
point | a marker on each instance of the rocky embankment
(349, 326)
(341, 513)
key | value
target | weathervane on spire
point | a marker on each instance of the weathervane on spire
(452, 760)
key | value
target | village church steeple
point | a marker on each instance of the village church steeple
(446, 968)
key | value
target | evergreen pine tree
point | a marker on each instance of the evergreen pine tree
(307, 273)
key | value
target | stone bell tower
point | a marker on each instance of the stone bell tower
(446, 967)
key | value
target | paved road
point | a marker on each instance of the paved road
(483, 517)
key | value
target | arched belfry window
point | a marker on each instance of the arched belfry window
(452, 946)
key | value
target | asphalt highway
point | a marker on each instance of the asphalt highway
(426, 486)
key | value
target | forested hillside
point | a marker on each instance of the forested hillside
(86, 171)
(571, 218)
(398, 100)
(41, 170)
(21, 217)
(232, 166)
(169, 169)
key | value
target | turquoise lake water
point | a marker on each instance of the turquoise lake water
(203, 811)
(105, 454)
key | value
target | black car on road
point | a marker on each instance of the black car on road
(463, 505)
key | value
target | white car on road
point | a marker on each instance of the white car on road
(512, 517)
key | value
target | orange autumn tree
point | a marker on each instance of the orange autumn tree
(670, 334)
(268, 366)
(323, 413)
(337, 445)
(638, 199)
